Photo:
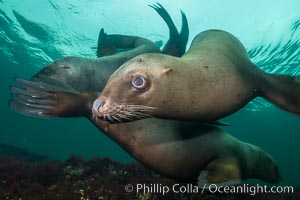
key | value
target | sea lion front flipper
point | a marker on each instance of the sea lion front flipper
(105, 45)
(203, 182)
(176, 44)
(46, 101)
(219, 123)
(222, 171)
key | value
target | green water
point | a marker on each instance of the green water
(34, 34)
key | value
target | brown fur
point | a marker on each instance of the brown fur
(176, 149)
(213, 79)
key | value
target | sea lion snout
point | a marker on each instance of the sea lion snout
(96, 105)
(35, 78)
(114, 112)
(102, 109)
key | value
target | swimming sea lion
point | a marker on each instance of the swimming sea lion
(172, 149)
(73, 71)
(213, 79)
(175, 46)
(183, 151)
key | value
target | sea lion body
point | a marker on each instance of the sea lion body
(179, 150)
(213, 79)
(91, 74)
(184, 151)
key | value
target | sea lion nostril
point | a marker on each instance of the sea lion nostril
(96, 105)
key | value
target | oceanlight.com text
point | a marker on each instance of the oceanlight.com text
(211, 188)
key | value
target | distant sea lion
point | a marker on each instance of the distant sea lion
(175, 46)
(184, 151)
(213, 79)
(73, 71)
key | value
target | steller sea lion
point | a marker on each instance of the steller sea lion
(175, 149)
(75, 70)
(183, 151)
(213, 79)
(175, 46)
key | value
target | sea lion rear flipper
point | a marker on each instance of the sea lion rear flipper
(184, 34)
(124, 46)
(45, 101)
(105, 45)
(283, 90)
(176, 44)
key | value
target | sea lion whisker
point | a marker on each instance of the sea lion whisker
(110, 118)
(135, 114)
(95, 118)
(138, 110)
(136, 105)
(144, 115)
(141, 110)
(117, 119)
(141, 107)
(130, 115)
(128, 118)
(145, 110)
(121, 116)
(140, 115)
(107, 117)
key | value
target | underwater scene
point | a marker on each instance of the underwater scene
(149, 99)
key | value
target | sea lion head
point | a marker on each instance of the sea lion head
(271, 173)
(128, 94)
(261, 165)
(69, 70)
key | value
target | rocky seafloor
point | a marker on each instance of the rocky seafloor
(24, 176)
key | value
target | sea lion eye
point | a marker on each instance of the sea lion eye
(66, 67)
(47, 70)
(139, 82)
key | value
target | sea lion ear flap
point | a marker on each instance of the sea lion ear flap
(167, 71)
